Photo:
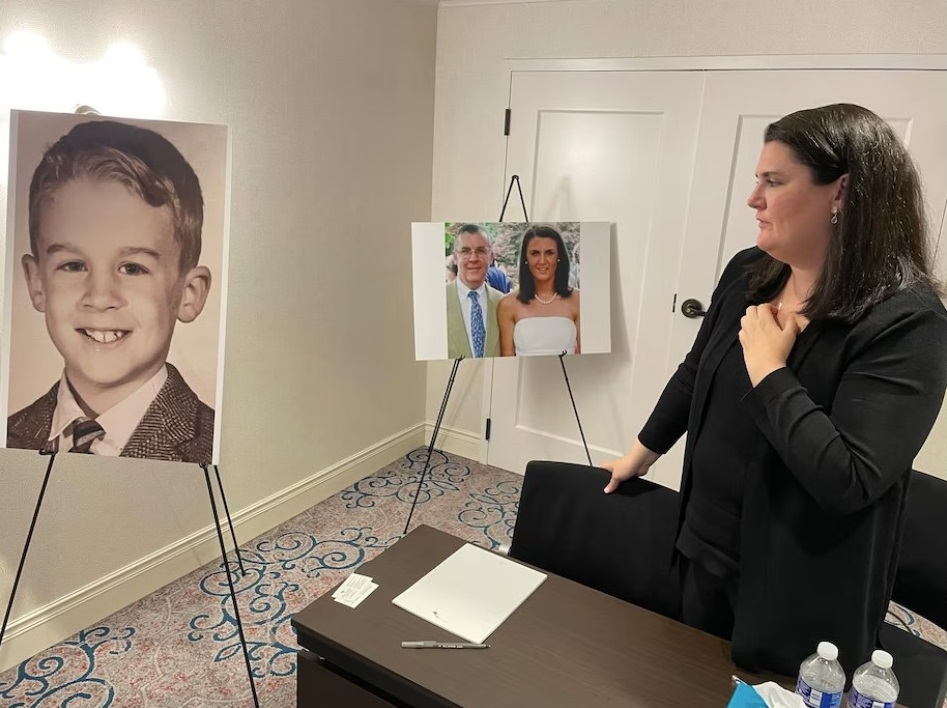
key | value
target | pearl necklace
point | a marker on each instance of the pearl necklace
(545, 302)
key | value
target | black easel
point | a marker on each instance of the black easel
(220, 538)
(430, 447)
(514, 178)
(26, 547)
(233, 534)
(562, 362)
(450, 382)
(223, 553)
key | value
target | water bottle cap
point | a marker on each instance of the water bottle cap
(828, 651)
(881, 658)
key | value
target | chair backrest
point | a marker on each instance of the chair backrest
(920, 582)
(620, 543)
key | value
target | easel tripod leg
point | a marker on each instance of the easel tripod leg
(233, 593)
(430, 448)
(575, 408)
(519, 187)
(26, 546)
(233, 533)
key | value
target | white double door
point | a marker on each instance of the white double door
(669, 156)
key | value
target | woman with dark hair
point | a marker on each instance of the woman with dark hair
(813, 382)
(542, 317)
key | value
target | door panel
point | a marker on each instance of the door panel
(612, 147)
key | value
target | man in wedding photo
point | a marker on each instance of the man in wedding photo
(471, 301)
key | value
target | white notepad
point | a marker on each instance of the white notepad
(470, 593)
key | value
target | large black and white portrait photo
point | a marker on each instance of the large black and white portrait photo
(115, 286)
(510, 289)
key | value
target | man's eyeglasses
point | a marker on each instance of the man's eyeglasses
(480, 252)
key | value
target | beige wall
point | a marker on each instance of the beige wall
(331, 108)
(473, 89)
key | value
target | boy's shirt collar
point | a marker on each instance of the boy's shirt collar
(119, 421)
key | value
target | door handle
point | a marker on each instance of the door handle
(692, 308)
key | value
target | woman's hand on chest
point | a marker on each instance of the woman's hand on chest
(766, 343)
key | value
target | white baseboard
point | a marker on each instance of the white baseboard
(52, 623)
(455, 441)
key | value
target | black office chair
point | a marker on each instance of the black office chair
(619, 543)
(921, 586)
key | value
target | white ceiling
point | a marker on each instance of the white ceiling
(450, 3)
(460, 3)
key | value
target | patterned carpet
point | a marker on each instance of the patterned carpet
(179, 647)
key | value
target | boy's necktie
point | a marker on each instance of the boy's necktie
(84, 433)
(476, 324)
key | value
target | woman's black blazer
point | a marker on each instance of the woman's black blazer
(839, 427)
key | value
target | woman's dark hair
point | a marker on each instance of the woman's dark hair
(879, 245)
(527, 289)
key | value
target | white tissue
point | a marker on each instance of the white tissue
(778, 697)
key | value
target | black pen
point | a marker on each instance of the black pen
(443, 645)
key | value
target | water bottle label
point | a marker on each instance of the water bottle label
(857, 700)
(814, 698)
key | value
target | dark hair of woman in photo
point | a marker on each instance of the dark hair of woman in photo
(527, 284)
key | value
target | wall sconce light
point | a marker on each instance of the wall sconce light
(33, 77)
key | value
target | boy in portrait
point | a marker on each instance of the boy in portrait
(115, 221)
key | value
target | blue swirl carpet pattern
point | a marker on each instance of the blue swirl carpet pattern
(179, 647)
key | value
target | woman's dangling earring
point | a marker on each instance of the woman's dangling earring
(834, 215)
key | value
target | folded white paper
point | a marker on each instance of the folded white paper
(354, 589)
(471, 592)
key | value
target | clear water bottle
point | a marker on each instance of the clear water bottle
(821, 678)
(874, 684)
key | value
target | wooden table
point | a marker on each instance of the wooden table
(565, 646)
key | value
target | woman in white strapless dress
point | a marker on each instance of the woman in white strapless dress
(542, 316)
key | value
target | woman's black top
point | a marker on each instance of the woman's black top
(710, 534)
